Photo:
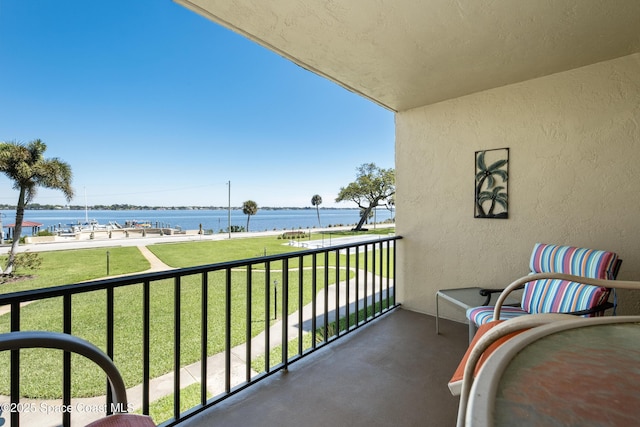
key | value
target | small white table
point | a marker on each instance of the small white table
(466, 298)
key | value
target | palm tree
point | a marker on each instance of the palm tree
(495, 196)
(316, 201)
(249, 208)
(26, 166)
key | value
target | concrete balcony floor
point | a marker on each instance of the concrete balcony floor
(392, 372)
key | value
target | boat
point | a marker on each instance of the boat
(91, 225)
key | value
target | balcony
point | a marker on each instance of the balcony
(393, 372)
(384, 360)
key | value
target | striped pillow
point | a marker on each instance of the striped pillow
(561, 296)
(571, 260)
(484, 314)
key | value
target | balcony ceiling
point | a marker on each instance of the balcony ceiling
(407, 53)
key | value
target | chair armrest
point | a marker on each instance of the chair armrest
(487, 293)
(597, 309)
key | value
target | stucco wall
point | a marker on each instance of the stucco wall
(574, 140)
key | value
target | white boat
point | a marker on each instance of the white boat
(91, 225)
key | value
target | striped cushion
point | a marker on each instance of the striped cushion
(559, 296)
(484, 314)
(570, 260)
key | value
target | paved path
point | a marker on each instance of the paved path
(155, 262)
(85, 410)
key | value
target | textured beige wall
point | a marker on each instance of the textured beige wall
(574, 140)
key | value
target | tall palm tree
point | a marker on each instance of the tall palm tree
(316, 201)
(249, 208)
(26, 166)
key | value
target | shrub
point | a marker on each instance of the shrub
(27, 261)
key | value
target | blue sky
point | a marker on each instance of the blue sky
(152, 104)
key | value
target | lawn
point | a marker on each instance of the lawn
(41, 375)
(42, 378)
(189, 254)
(73, 266)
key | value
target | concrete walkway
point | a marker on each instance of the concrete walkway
(85, 410)
(155, 262)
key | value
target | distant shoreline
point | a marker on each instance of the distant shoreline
(37, 207)
(210, 221)
(103, 241)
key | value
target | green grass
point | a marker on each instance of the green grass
(73, 266)
(161, 410)
(189, 254)
(89, 322)
(41, 373)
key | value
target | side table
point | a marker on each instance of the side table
(466, 298)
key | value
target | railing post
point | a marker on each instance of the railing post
(66, 368)
(267, 317)
(227, 323)
(357, 305)
(326, 297)
(110, 321)
(381, 274)
(300, 302)
(15, 365)
(395, 264)
(204, 337)
(374, 310)
(285, 315)
(146, 344)
(347, 292)
(314, 299)
(248, 331)
(337, 290)
(176, 347)
(366, 283)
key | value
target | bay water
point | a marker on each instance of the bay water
(210, 219)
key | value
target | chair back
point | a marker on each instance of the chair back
(557, 296)
(55, 340)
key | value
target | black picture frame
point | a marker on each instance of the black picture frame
(492, 184)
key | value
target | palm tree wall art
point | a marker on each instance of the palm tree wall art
(491, 190)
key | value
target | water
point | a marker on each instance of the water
(216, 220)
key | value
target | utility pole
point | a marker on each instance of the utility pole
(229, 213)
